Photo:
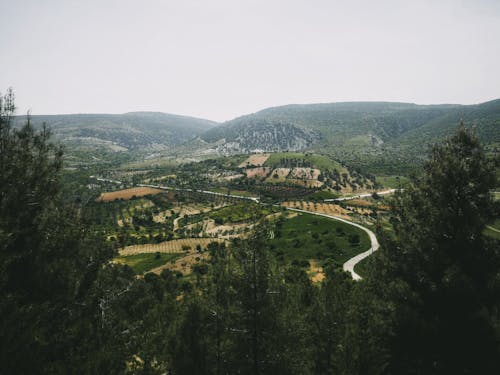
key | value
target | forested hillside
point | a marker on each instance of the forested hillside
(147, 131)
(376, 137)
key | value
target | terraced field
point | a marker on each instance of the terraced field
(171, 247)
(323, 208)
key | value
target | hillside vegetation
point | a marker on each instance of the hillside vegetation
(121, 132)
(376, 137)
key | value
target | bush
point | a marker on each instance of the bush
(354, 239)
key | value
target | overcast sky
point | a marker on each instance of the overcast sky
(218, 59)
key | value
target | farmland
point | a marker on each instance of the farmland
(127, 194)
(256, 160)
(323, 208)
(143, 262)
(169, 247)
(306, 237)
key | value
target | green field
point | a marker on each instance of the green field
(312, 237)
(141, 263)
(322, 195)
(392, 182)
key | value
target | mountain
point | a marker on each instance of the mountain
(120, 132)
(249, 135)
(377, 137)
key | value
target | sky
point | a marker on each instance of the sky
(218, 59)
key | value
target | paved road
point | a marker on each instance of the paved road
(253, 199)
(366, 195)
(349, 265)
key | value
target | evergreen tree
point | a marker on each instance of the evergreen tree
(49, 261)
(441, 275)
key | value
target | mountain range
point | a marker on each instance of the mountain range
(133, 131)
(376, 137)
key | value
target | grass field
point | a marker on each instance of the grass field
(392, 182)
(143, 262)
(322, 195)
(305, 237)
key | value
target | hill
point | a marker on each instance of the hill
(377, 137)
(133, 131)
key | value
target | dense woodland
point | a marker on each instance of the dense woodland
(429, 304)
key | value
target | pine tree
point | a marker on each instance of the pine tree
(49, 260)
(441, 273)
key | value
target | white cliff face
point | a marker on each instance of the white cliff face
(264, 137)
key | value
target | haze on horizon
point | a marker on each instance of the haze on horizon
(223, 58)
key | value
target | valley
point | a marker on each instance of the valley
(311, 206)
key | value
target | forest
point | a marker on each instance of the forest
(428, 303)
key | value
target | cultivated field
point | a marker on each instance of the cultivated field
(359, 202)
(307, 173)
(127, 194)
(278, 175)
(305, 183)
(255, 160)
(257, 172)
(174, 246)
(323, 208)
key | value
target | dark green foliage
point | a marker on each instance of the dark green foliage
(429, 304)
(441, 273)
(302, 237)
(49, 260)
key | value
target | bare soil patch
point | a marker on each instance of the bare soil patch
(257, 172)
(255, 160)
(316, 272)
(323, 208)
(127, 194)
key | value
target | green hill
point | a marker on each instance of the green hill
(376, 137)
(144, 131)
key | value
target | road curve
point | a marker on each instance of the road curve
(349, 265)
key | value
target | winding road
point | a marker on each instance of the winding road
(349, 265)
